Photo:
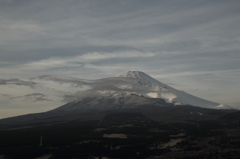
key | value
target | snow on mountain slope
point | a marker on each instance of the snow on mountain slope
(107, 103)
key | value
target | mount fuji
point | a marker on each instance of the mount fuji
(130, 89)
(133, 105)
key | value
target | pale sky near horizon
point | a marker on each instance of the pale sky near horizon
(190, 45)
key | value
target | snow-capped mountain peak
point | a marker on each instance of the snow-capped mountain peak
(141, 76)
(133, 74)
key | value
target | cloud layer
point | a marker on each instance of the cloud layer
(194, 44)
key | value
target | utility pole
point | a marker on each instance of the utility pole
(41, 141)
(41, 138)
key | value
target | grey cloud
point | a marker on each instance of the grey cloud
(172, 84)
(35, 97)
(75, 81)
(68, 97)
(75, 96)
(5, 1)
(141, 21)
(44, 53)
(17, 82)
(181, 46)
(5, 95)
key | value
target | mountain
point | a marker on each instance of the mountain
(102, 93)
(113, 115)
(132, 90)
(233, 117)
(136, 82)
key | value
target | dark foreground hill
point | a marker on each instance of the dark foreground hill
(147, 131)
(231, 118)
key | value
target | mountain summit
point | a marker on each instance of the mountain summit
(134, 74)
(141, 76)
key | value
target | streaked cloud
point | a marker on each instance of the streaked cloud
(17, 82)
(34, 97)
(77, 61)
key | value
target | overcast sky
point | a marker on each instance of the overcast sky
(190, 45)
